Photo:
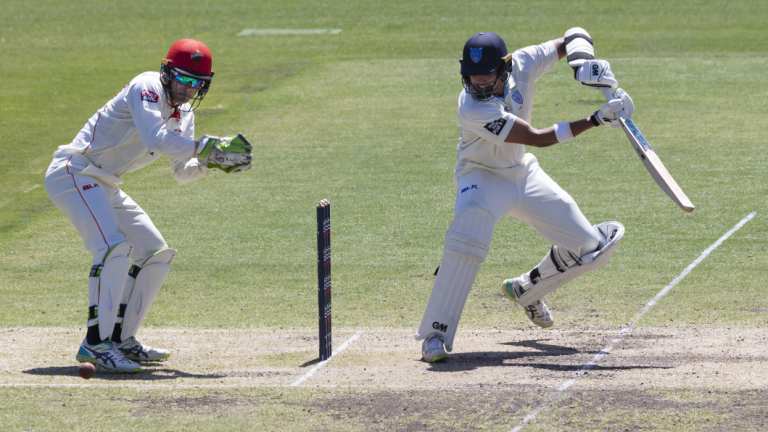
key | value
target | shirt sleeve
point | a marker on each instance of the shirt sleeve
(533, 61)
(488, 120)
(144, 102)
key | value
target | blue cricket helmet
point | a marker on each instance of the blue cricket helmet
(483, 54)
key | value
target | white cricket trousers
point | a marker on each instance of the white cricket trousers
(526, 193)
(103, 215)
(530, 196)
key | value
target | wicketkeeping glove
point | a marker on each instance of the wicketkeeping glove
(229, 154)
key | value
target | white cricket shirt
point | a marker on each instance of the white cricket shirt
(485, 124)
(135, 128)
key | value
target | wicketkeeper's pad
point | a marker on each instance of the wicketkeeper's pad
(105, 286)
(144, 289)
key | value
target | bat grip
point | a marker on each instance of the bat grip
(607, 92)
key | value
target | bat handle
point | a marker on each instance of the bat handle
(608, 93)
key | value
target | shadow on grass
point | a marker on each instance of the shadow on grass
(148, 374)
(473, 360)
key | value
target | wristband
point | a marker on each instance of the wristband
(563, 131)
(593, 119)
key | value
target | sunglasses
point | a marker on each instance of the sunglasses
(188, 81)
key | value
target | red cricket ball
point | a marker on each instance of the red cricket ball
(87, 370)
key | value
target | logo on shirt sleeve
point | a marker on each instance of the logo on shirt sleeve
(495, 127)
(517, 97)
(149, 96)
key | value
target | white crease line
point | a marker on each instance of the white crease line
(560, 395)
(317, 367)
(138, 385)
(287, 32)
(145, 386)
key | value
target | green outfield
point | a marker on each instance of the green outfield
(366, 118)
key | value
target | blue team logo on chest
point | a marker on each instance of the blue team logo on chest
(476, 54)
(517, 97)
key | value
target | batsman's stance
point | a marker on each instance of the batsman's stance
(496, 177)
(151, 116)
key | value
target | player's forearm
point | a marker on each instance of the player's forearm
(522, 133)
(579, 126)
(555, 134)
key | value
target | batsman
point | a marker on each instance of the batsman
(152, 116)
(495, 177)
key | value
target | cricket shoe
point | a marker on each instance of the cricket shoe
(433, 349)
(537, 312)
(106, 357)
(138, 352)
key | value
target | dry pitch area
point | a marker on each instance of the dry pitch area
(699, 378)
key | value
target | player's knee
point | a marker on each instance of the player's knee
(145, 250)
(163, 256)
(611, 233)
(471, 232)
(589, 244)
(118, 247)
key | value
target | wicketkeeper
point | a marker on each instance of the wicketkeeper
(496, 177)
(151, 116)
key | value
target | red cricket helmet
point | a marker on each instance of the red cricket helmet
(190, 56)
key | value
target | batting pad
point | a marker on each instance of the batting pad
(466, 246)
(454, 280)
(106, 284)
(146, 286)
(560, 266)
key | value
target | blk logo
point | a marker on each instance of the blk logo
(440, 326)
(90, 186)
(470, 187)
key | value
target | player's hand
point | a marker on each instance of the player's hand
(621, 105)
(595, 73)
(229, 154)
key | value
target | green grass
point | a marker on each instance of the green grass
(336, 116)
(367, 119)
(166, 410)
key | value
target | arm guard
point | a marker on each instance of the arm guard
(578, 46)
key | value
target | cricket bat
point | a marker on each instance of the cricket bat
(652, 162)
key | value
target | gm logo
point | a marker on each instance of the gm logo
(440, 326)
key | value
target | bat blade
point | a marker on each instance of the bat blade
(654, 166)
